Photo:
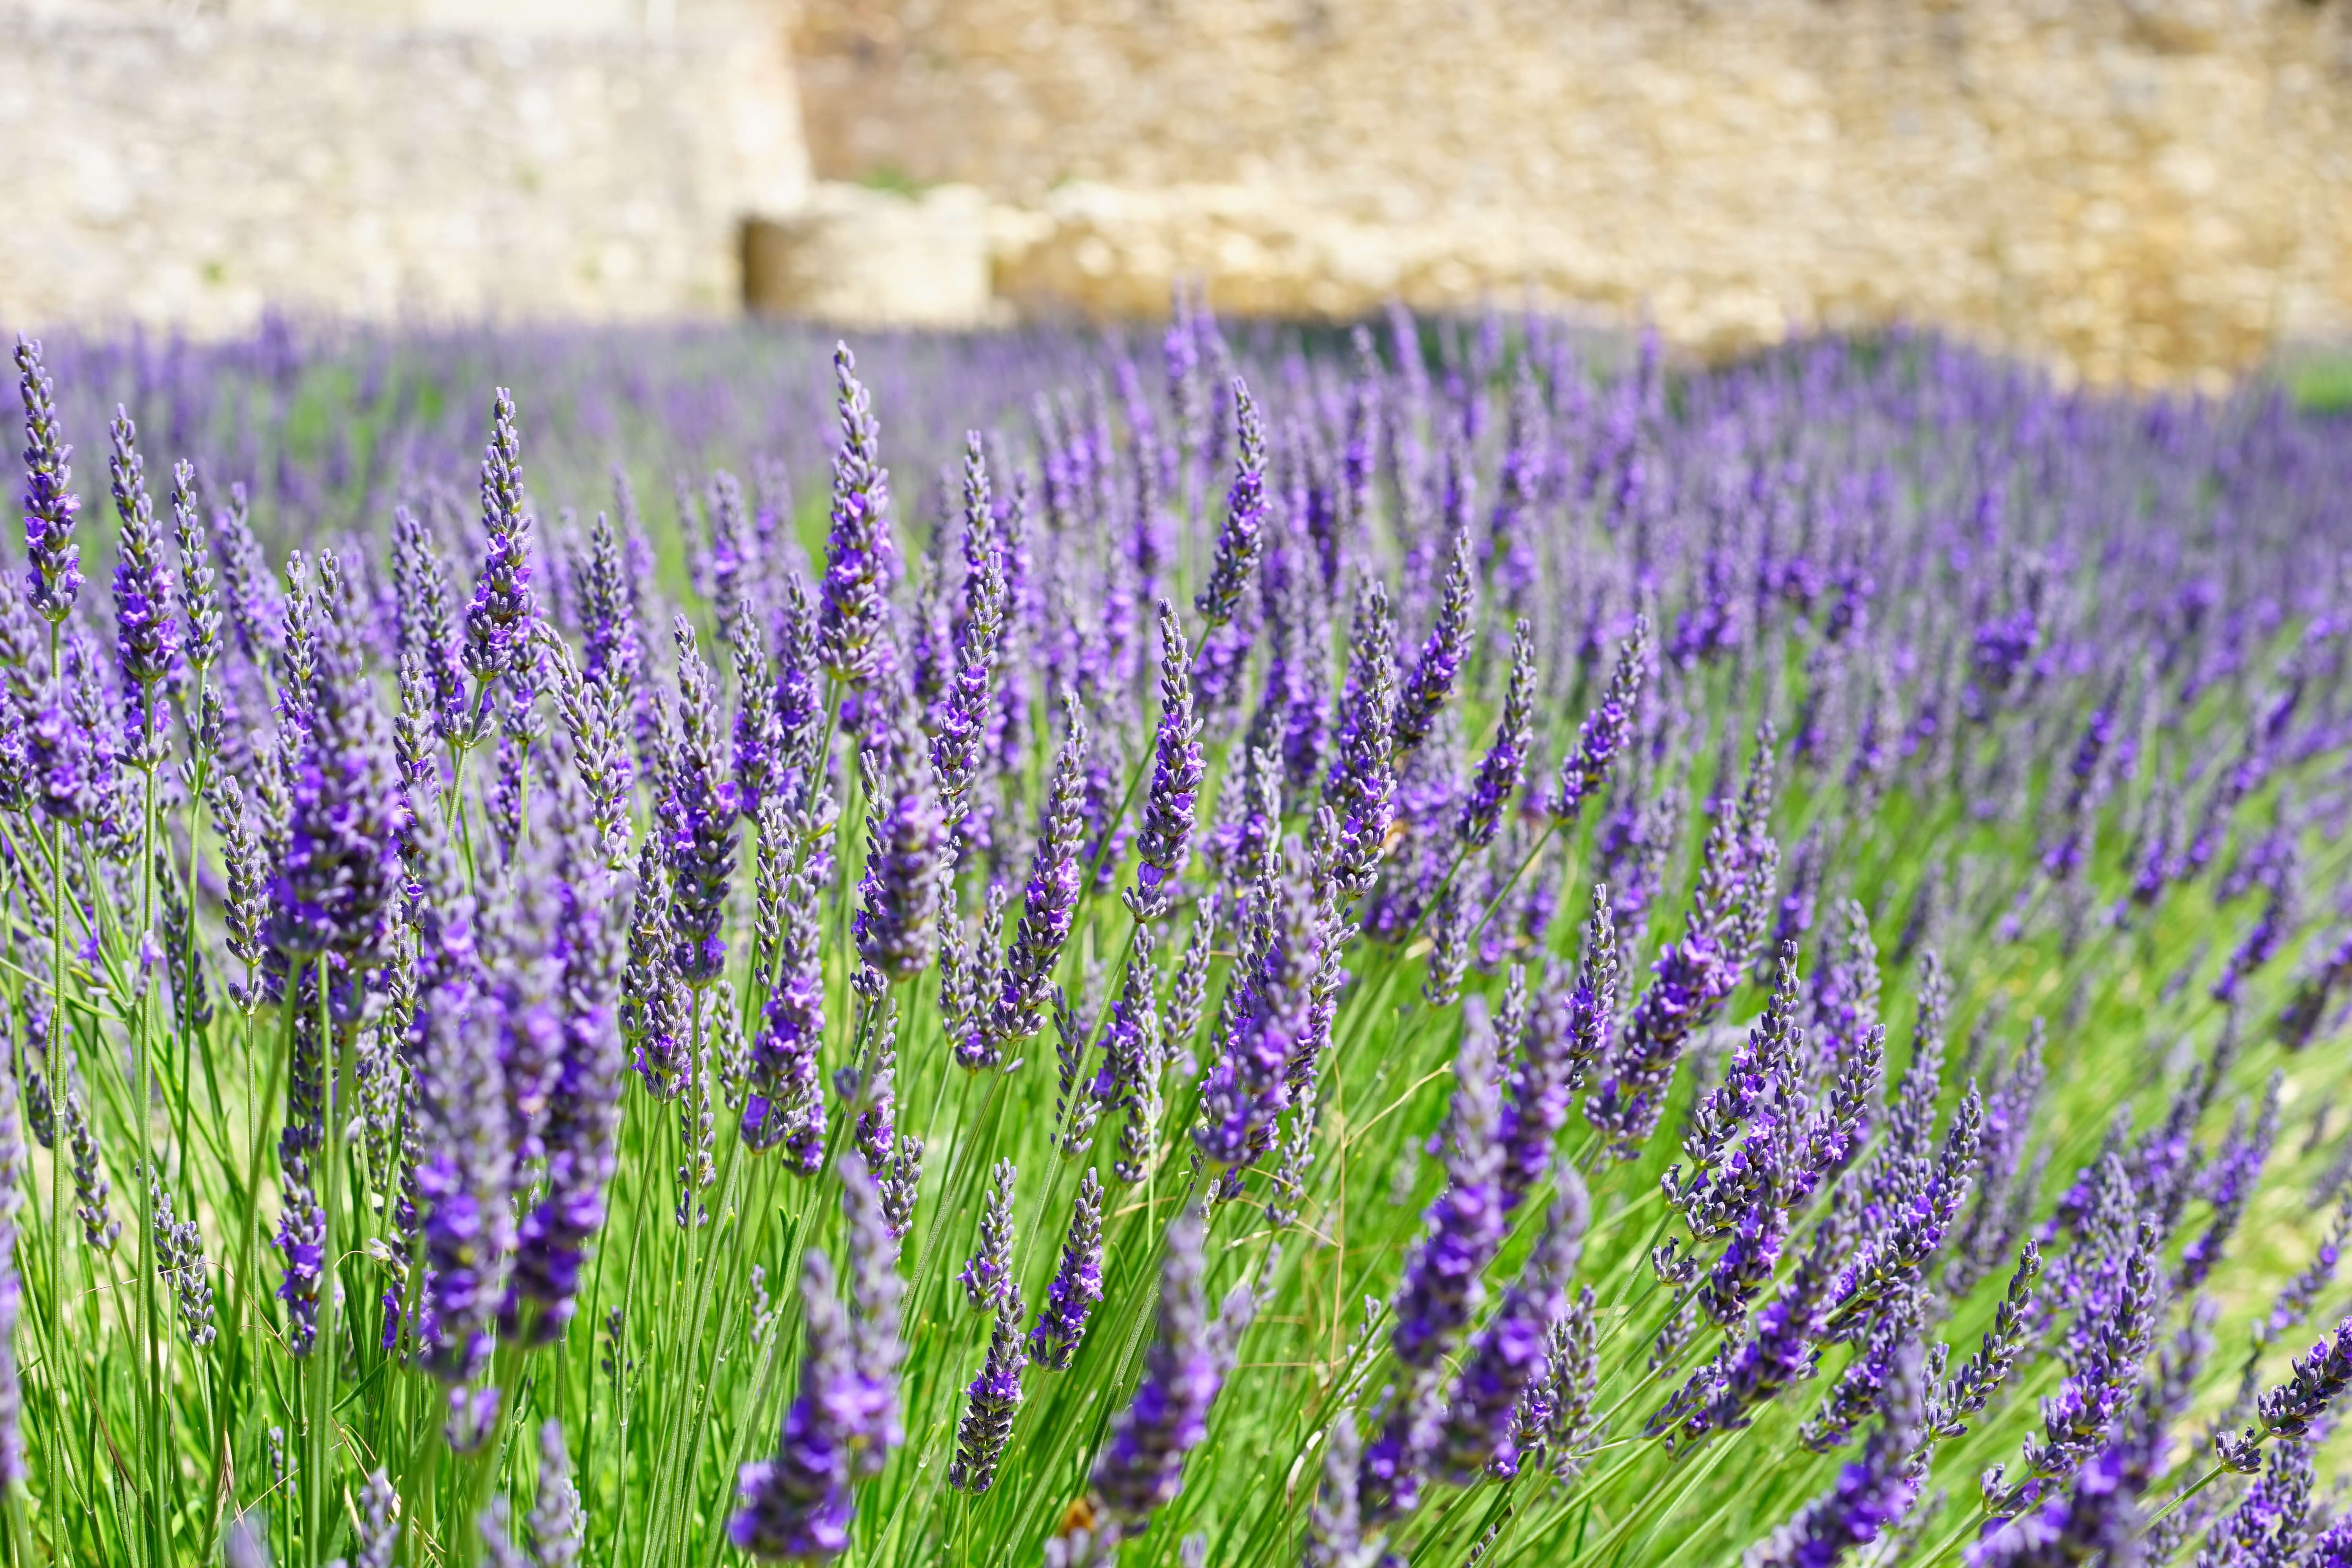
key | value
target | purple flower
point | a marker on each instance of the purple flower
(2096, 1517)
(990, 1402)
(1130, 1079)
(1248, 1088)
(2299, 1019)
(1763, 1067)
(698, 824)
(784, 1103)
(421, 586)
(852, 620)
(652, 1014)
(1464, 1225)
(1361, 787)
(2228, 1184)
(53, 557)
(1077, 1287)
(583, 1109)
(69, 749)
(1870, 1495)
(2276, 925)
(1607, 727)
(1498, 770)
(1430, 685)
(1166, 842)
(874, 1298)
(1048, 908)
(465, 1176)
(2332, 1547)
(1511, 561)
(341, 865)
(498, 621)
(1782, 1348)
(1141, 1469)
(2120, 1295)
(1696, 975)
(1861, 1390)
(1241, 540)
(2292, 1408)
(610, 647)
(1511, 1350)
(1564, 1036)
(1335, 1535)
(1916, 1205)
(899, 898)
(146, 639)
(798, 1504)
(987, 1274)
(1981, 1375)
(962, 718)
(758, 737)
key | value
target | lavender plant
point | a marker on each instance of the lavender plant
(556, 1076)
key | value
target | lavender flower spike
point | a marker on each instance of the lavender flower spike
(1334, 1530)
(697, 822)
(1870, 1496)
(899, 898)
(465, 1175)
(797, 1505)
(1564, 1034)
(55, 559)
(342, 865)
(990, 1402)
(1510, 1352)
(2294, 1406)
(498, 621)
(1465, 1225)
(1500, 770)
(987, 1274)
(852, 621)
(784, 1103)
(1607, 727)
(1077, 1287)
(1362, 784)
(963, 713)
(1242, 540)
(873, 1296)
(146, 639)
(1247, 1090)
(1166, 842)
(1142, 1469)
(1048, 908)
(1430, 684)
(583, 1115)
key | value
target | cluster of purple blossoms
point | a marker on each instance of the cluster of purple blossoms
(852, 643)
(53, 559)
(799, 1504)
(1607, 727)
(1142, 1466)
(498, 619)
(1165, 843)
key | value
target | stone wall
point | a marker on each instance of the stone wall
(2142, 190)
(190, 165)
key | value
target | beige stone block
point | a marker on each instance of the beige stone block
(871, 258)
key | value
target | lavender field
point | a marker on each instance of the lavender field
(1435, 946)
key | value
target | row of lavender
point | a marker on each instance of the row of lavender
(1449, 814)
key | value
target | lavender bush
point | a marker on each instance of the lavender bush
(675, 947)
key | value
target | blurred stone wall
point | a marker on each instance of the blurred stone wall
(191, 164)
(2141, 190)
